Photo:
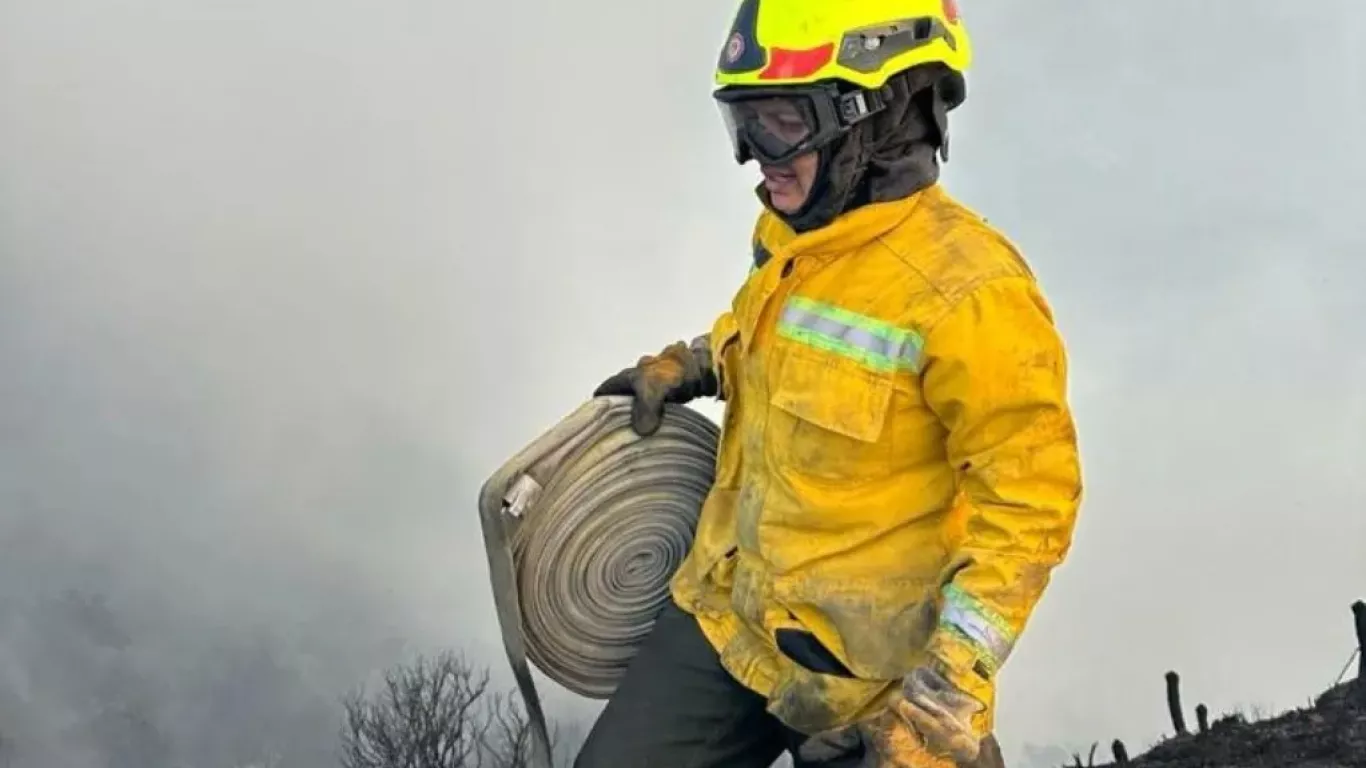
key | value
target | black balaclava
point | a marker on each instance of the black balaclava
(889, 156)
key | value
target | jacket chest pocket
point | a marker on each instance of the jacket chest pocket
(828, 418)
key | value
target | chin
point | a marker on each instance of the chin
(786, 203)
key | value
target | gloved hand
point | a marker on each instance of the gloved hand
(883, 741)
(682, 372)
(940, 712)
(927, 724)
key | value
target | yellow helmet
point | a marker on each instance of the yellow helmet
(795, 74)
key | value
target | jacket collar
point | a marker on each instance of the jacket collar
(848, 232)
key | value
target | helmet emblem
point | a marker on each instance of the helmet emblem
(735, 47)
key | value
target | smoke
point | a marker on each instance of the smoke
(281, 282)
(229, 489)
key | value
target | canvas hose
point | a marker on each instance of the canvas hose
(584, 528)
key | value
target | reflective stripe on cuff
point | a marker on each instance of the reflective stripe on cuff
(985, 629)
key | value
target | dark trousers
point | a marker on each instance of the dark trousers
(677, 707)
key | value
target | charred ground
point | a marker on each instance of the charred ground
(1328, 733)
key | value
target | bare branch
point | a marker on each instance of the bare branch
(435, 713)
(1359, 615)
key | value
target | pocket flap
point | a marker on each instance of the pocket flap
(835, 395)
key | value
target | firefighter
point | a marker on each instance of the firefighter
(898, 472)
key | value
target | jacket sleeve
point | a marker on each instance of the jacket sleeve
(717, 342)
(995, 373)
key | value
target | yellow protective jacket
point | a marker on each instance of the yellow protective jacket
(898, 471)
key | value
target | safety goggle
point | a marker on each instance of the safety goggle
(774, 125)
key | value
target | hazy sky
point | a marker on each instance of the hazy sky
(282, 281)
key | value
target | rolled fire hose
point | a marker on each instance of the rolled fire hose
(583, 529)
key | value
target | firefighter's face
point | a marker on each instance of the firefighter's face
(790, 184)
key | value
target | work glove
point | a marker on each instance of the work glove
(927, 724)
(680, 373)
(879, 742)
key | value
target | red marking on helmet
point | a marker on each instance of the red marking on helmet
(951, 10)
(784, 63)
